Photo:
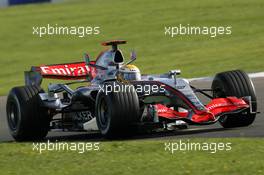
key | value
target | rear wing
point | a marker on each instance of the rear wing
(67, 71)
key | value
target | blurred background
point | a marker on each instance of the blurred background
(139, 22)
(5, 3)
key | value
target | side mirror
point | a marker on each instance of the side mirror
(86, 58)
(133, 55)
(175, 72)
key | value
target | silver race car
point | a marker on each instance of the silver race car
(116, 99)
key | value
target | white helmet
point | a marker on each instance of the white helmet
(130, 72)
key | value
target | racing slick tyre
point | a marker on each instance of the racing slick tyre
(117, 109)
(26, 119)
(235, 83)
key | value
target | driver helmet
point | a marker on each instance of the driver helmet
(130, 72)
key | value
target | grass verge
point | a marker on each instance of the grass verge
(137, 157)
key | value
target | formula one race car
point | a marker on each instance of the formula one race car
(116, 99)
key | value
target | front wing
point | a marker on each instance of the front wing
(213, 110)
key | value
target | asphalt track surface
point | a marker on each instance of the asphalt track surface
(210, 131)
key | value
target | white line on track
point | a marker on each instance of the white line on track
(251, 75)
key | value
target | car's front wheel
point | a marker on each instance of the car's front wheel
(235, 83)
(116, 111)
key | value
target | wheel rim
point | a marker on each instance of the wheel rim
(103, 112)
(13, 116)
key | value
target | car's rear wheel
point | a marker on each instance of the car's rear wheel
(27, 120)
(118, 110)
(235, 83)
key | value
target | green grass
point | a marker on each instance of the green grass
(142, 24)
(136, 157)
